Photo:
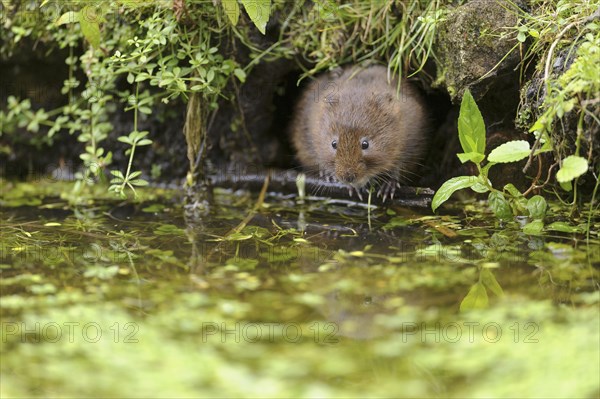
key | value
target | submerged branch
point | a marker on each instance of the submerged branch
(284, 181)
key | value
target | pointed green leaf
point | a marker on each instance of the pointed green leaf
(232, 9)
(539, 125)
(258, 11)
(563, 227)
(117, 173)
(67, 18)
(91, 30)
(512, 151)
(471, 156)
(489, 280)
(477, 298)
(471, 128)
(546, 144)
(449, 187)
(139, 182)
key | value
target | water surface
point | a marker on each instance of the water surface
(128, 299)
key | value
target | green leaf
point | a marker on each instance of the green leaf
(572, 167)
(546, 145)
(154, 208)
(449, 187)
(101, 272)
(489, 280)
(232, 9)
(168, 229)
(568, 186)
(562, 227)
(534, 228)
(117, 173)
(258, 11)
(539, 125)
(144, 142)
(91, 31)
(125, 139)
(512, 151)
(471, 128)
(210, 75)
(139, 182)
(471, 156)
(512, 190)
(480, 187)
(500, 206)
(240, 74)
(67, 18)
(537, 207)
(477, 298)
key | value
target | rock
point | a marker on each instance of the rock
(471, 42)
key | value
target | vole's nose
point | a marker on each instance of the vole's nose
(347, 177)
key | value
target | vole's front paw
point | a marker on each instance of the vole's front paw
(388, 189)
(352, 190)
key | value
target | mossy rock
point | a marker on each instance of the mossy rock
(471, 44)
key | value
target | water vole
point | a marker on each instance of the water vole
(352, 126)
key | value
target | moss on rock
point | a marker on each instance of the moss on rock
(472, 46)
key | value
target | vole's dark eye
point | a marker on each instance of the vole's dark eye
(334, 144)
(364, 144)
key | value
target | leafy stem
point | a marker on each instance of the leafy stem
(134, 139)
(471, 132)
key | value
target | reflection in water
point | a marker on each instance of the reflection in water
(390, 294)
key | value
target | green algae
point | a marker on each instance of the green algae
(117, 301)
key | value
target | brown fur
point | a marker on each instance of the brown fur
(353, 106)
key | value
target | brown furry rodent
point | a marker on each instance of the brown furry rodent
(353, 127)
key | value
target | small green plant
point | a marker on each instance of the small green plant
(130, 179)
(122, 55)
(510, 201)
(565, 36)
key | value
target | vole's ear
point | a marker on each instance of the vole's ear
(336, 72)
(328, 93)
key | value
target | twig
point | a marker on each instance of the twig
(284, 181)
(543, 184)
(257, 205)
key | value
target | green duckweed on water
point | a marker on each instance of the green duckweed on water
(124, 299)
